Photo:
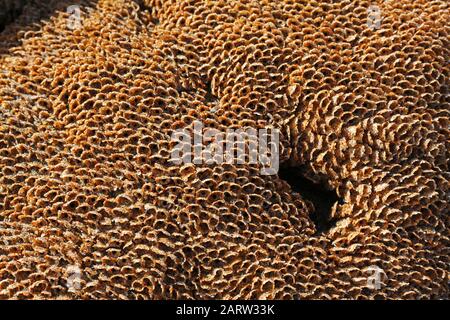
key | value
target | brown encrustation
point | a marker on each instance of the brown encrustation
(86, 117)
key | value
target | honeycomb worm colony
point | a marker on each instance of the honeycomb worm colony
(92, 207)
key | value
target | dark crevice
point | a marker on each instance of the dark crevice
(319, 194)
(209, 96)
(143, 7)
(9, 14)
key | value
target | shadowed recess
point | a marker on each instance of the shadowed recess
(9, 11)
(318, 194)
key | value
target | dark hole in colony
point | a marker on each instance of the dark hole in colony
(209, 97)
(14, 11)
(318, 194)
